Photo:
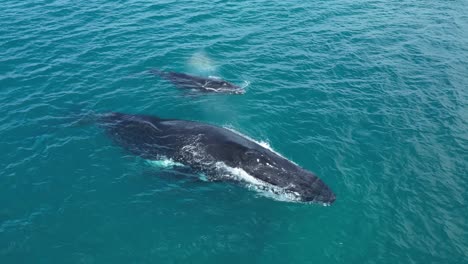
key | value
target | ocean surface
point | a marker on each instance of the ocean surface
(370, 95)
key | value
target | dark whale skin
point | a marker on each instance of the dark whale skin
(202, 146)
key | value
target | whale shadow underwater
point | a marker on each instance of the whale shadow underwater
(216, 152)
(198, 83)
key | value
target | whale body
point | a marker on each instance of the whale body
(217, 152)
(203, 84)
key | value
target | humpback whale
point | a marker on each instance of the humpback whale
(219, 153)
(209, 85)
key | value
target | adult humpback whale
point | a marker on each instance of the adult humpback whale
(203, 84)
(217, 152)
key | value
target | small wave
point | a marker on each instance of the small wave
(245, 84)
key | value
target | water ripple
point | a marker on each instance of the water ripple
(370, 95)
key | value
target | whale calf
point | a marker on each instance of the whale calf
(209, 85)
(218, 153)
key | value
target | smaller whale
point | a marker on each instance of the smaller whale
(208, 85)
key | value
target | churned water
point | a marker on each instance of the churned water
(370, 95)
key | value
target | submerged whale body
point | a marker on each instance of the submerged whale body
(209, 85)
(217, 152)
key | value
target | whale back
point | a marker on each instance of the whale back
(203, 147)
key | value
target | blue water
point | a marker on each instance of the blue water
(370, 95)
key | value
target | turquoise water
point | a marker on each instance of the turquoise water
(372, 96)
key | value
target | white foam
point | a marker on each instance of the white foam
(259, 186)
(164, 163)
(202, 177)
(239, 173)
(167, 163)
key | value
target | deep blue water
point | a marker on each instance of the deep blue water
(370, 95)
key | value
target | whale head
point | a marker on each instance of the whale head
(298, 183)
(222, 86)
(287, 177)
(309, 188)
